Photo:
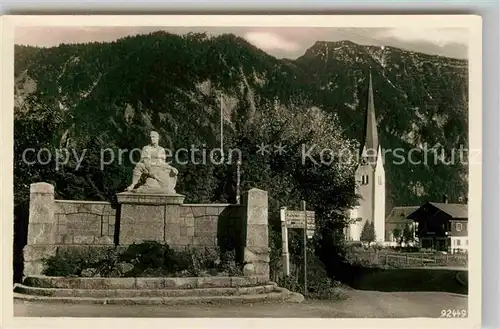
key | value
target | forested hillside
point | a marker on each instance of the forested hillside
(113, 94)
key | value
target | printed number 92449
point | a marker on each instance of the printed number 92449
(454, 313)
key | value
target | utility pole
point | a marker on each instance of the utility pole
(305, 246)
(238, 165)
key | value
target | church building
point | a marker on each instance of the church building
(370, 180)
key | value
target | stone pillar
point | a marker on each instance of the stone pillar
(256, 236)
(149, 217)
(42, 228)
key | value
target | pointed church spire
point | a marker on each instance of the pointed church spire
(371, 143)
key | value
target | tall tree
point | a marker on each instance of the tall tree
(368, 232)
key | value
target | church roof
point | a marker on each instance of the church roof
(370, 139)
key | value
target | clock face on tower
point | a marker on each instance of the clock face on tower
(363, 161)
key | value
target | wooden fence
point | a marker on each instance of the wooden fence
(408, 259)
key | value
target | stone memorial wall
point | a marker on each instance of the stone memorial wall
(56, 224)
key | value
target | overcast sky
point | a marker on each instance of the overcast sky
(288, 42)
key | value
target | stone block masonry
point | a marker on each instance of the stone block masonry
(165, 218)
(55, 224)
(256, 237)
(85, 222)
(64, 224)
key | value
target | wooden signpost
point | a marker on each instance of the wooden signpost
(296, 219)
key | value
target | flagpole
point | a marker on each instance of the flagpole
(221, 127)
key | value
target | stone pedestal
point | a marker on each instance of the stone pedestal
(148, 217)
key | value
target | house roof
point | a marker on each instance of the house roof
(455, 210)
(399, 214)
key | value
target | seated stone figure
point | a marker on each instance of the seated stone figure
(161, 177)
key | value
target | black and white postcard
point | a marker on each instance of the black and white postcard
(317, 171)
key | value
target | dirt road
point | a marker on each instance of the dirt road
(363, 304)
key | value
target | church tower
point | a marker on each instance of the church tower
(370, 179)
